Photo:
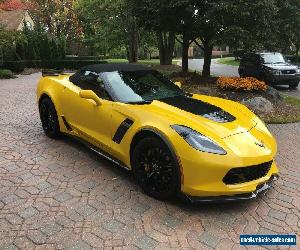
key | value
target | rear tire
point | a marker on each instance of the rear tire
(49, 118)
(155, 168)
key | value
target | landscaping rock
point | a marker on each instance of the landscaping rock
(259, 104)
(274, 94)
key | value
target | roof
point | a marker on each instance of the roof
(12, 5)
(12, 19)
(110, 67)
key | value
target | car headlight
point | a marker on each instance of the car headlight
(274, 71)
(277, 72)
(198, 141)
(298, 70)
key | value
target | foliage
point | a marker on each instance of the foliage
(209, 23)
(110, 24)
(8, 39)
(253, 24)
(38, 44)
(6, 74)
(30, 45)
(15, 66)
(12, 5)
(19, 66)
(236, 83)
(287, 26)
(57, 17)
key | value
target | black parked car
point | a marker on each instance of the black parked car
(270, 67)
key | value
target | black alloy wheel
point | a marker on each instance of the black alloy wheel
(155, 169)
(49, 118)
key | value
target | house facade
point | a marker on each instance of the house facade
(14, 15)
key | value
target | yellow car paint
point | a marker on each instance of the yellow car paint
(202, 172)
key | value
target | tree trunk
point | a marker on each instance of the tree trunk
(297, 52)
(207, 58)
(166, 44)
(133, 47)
(185, 53)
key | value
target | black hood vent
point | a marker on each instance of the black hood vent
(201, 108)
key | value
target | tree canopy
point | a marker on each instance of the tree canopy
(138, 28)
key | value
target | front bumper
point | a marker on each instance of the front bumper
(261, 189)
(283, 79)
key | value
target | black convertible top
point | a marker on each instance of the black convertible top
(111, 67)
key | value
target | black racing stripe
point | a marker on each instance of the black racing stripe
(198, 107)
(121, 131)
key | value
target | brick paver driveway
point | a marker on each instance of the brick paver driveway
(58, 194)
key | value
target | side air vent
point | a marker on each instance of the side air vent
(66, 124)
(219, 116)
(121, 131)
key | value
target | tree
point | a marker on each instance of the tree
(288, 26)
(111, 23)
(159, 17)
(8, 40)
(57, 17)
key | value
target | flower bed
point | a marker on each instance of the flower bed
(237, 83)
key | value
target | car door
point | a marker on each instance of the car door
(87, 120)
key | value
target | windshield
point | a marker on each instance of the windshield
(275, 58)
(140, 86)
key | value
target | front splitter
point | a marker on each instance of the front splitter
(261, 189)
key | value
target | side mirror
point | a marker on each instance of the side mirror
(178, 84)
(90, 95)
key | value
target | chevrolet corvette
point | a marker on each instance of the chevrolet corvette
(199, 147)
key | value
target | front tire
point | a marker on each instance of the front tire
(242, 74)
(293, 86)
(155, 169)
(49, 118)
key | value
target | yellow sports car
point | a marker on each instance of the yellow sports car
(201, 147)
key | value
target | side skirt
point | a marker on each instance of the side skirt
(100, 152)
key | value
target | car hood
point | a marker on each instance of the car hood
(208, 115)
(282, 66)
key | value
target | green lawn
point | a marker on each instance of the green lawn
(116, 60)
(149, 62)
(229, 61)
(292, 100)
(153, 61)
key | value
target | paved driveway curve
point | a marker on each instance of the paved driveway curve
(217, 69)
(56, 194)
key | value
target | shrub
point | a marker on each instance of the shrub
(19, 66)
(15, 66)
(6, 74)
(68, 64)
(236, 83)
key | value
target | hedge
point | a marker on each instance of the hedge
(19, 66)
(6, 74)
